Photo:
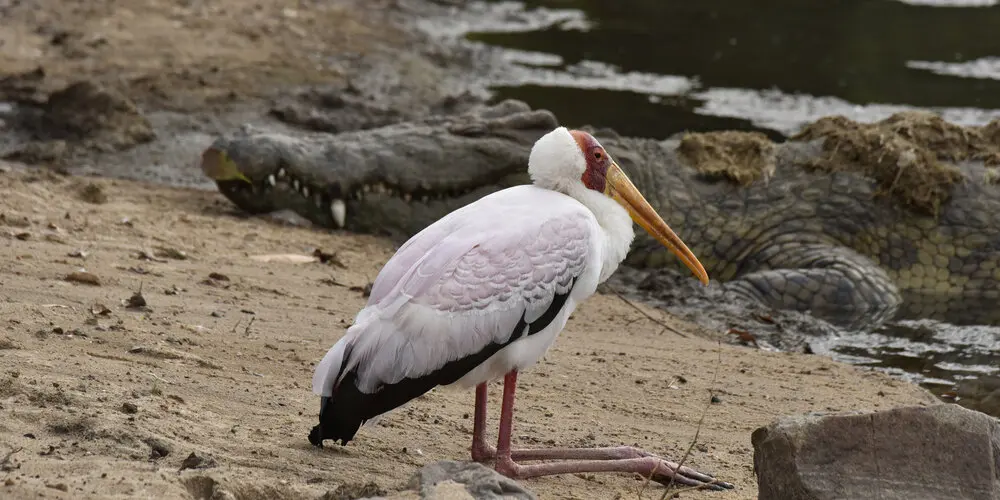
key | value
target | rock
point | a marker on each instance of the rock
(193, 461)
(437, 481)
(911, 453)
(349, 491)
(157, 448)
(449, 480)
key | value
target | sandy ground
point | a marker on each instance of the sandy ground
(190, 54)
(106, 400)
(100, 399)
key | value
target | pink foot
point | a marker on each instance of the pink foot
(572, 460)
(482, 452)
(615, 459)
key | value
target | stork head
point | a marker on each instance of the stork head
(566, 160)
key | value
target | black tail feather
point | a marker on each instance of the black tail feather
(343, 413)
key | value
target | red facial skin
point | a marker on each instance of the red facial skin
(598, 161)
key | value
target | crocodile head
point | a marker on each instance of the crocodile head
(394, 180)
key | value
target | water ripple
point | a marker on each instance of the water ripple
(984, 68)
(771, 108)
(951, 3)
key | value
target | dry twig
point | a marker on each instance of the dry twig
(246, 331)
(649, 316)
(694, 441)
(5, 464)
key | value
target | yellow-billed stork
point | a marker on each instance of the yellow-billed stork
(483, 293)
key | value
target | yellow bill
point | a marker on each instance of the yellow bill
(218, 167)
(620, 188)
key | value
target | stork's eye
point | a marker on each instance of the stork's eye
(598, 155)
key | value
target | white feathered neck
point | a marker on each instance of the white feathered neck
(557, 163)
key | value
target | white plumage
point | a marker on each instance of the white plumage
(484, 291)
(465, 281)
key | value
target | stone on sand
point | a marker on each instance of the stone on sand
(911, 453)
(451, 480)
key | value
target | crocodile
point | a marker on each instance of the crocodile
(853, 223)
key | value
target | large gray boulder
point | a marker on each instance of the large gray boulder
(909, 453)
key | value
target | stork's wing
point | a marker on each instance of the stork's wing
(466, 281)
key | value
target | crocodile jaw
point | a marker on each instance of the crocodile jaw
(367, 204)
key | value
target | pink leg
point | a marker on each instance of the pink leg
(481, 450)
(616, 459)
(506, 417)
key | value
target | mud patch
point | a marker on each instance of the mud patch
(741, 157)
(348, 108)
(904, 154)
(98, 116)
(334, 110)
(81, 116)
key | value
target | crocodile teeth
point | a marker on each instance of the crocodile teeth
(281, 173)
(339, 211)
(271, 180)
(407, 197)
(305, 191)
(359, 195)
(423, 198)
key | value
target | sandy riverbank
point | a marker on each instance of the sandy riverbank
(93, 390)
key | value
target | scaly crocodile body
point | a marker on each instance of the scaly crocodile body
(788, 224)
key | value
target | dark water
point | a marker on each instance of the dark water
(765, 65)
(655, 67)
